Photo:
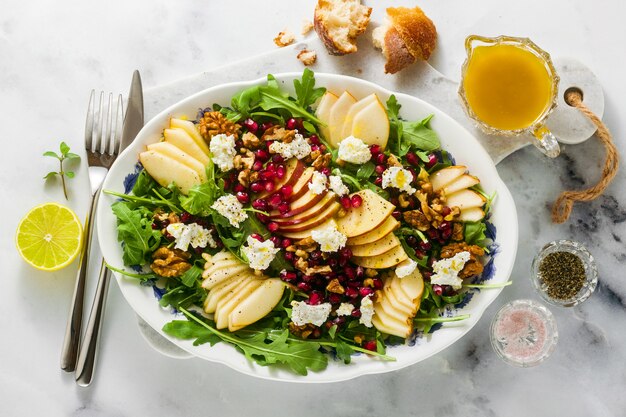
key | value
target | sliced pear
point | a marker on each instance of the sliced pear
(356, 107)
(302, 185)
(338, 113)
(226, 305)
(192, 131)
(413, 287)
(321, 205)
(401, 302)
(166, 170)
(446, 175)
(389, 225)
(312, 223)
(371, 124)
(217, 265)
(223, 274)
(257, 305)
(372, 213)
(377, 247)
(303, 234)
(308, 200)
(465, 199)
(461, 183)
(294, 168)
(385, 260)
(173, 152)
(217, 293)
(323, 112)
(389, 325)
(383, 303)
(182, 140)
(473, 214)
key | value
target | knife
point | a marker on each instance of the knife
(133, 122)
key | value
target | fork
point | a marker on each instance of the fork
(103, 129)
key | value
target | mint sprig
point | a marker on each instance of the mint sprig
(65, 155)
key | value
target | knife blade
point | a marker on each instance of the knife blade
(133, 122)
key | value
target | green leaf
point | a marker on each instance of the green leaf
(395, 126)
(199, 199)
(474, 233)
(51, 174)
(344, 351)
(245, 101)
(191, 276)
(134, 228)
(184, 329)
(64, 148)
(366, 170)
(69, 174)
(51, 154)
(144, 184)
(306, 92)
(70, 156)
(420, 136)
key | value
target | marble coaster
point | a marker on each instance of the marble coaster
(420, 80)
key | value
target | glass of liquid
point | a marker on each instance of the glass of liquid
(509, 87)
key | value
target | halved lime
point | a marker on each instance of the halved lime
(49, 237)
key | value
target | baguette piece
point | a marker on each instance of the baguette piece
(338, 23)
(406, 36)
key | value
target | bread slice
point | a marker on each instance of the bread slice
(388, 39)
(338, 23)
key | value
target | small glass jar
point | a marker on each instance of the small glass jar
(523, 333)
(591, 272)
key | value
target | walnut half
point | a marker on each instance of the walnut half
(170, 262)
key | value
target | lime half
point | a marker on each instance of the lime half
(49, 237)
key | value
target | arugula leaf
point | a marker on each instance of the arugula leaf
(181, 296)
(474, 233)
(366, 170)
(190, 276)
(306, 92)
(419, 135)
(244, 102)
(395, 126)
(134, 228)
(200, 199)
(344, 351)
(144, 184)
(185, 329)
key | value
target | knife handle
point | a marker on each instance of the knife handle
(71, 342)
(89, 349)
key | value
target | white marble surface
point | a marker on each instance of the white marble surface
(54, 54)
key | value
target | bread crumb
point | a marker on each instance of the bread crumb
(284, 38)
(307, 25)
(307, 57)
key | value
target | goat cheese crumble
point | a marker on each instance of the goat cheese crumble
(406, 268)
(367, 311)
(223, 150)
(190, 234)
(303, 313)
(337, 185)
(298, 148)
(446, 271)
(344, 309)
(399, 178)
(229, 207)
(318, 183)
(329, 238)
(259, 254)
(354, 150)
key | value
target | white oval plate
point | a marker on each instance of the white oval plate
(454, 138)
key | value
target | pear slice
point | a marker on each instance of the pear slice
(400, 296)
(369, 215)
(371, 124)
(461, 183)
(192, 131)
(181, 139)
(384, 304)
(401, 306)
(233, 285)
(389, 225)
(377, 247)
(166, 170)
(338, 113)
(385, 260)
(226, 305)
(465, 199)
(173, 152)
(223, 274)
(323, 112)
(473, 214)
(257, 305)
(229, 263)
(446, 175)
(356, 107)
(413, 287)
(390, 325)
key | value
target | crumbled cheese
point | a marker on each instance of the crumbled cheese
(229, 207)
(446, 271)
(345, 309)
(223, 150)
(367, 311)
(399, 178)
(259, 254)
(354, 150)
(190, 234)
(337, 185)
(298, 147)
(303, 313)
(329, 238)
(318, 183)
(406, 268)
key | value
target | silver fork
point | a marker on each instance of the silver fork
(103, 129)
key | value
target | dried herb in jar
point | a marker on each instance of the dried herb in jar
(563, 275)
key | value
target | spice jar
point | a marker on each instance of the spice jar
(564, 273)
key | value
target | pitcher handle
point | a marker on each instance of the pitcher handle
(546, 142)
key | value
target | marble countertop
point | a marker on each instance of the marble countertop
(53, 54)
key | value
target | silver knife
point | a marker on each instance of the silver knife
(133, 122)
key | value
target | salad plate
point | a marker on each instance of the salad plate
(454, 139)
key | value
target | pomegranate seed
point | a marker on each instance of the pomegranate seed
(304, 286)
(380, 169)
(283, 208)
(356, 313)
(420, 254)
(325, 171)
(332, 262)
(281, 171)
(269, 186)
(155, 225)
(257, 166)
(375, 149)
(446, 234)
(345, 252)
(263, 218)
(432, 234)
(239, 188)
(262, 155)
(412, 158)
(437, 289)
(186, 217)
(322, 148)
(426, 275)
(395, 201)
(286, 243)
(425, 246)
(291, 124)
(259, 204)
(288, 276)
(308, 278)
(339, 321)
(365, 291)
(334, 298)
(350, 272)
(257, 187)
(278, 158)
(378, 181)
(352, 292)
(239, 143)
(397, 214)
(356, 201)
(275, 200)
(411, 240)
(360, 271)
(381, 158)
(315, 298)
(432, 160)
(314, 148)
(378, 283)
(431, 261)
(243, 197)
(266, 125)
(227, 183)
(276, 241)
(286, 191)
(445, 226)
(370, 345)
(316, 255)
(290, 256)
(345, 202)
(251, 125)
(314, 140)
(354, 284)
(446, 210)
(413, 174)
(266, 174)
(257, 237)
